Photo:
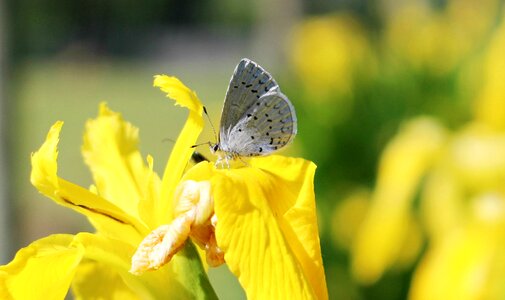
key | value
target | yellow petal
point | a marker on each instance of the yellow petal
(106, 217)
(149, 204)
(266, 225)
(110, 149)
(43, 270)
(95, 280)
(182, 150)
(179, 92)
(44, 162)
(299, 211)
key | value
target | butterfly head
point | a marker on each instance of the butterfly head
(214, 148)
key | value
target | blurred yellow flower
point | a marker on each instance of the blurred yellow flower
(127, 201)
(348, 216)
(463, 209)
(387, 227)
(490, 104)
(327, 52)
(459, 181)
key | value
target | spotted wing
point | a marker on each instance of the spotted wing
(248, 83)
(268, 125)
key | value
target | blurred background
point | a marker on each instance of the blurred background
(401, 104)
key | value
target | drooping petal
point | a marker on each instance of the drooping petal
(299, 213)
(266, 226)
(182, 150)
(110, 149)
(183, 278)
(43, 270)
(104, 215)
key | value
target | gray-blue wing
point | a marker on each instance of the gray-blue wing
(268, 125)
(248, 83)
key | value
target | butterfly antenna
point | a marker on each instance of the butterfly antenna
(168, 140)
(196, 145)
(211, 125)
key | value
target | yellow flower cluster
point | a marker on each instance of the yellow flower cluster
(445, 188)
(438, 38)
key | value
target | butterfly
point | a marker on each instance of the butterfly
(257, 118)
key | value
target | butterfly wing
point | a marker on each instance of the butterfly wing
(248, 83)
(268, 125)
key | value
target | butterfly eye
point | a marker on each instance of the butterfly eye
(216, 147)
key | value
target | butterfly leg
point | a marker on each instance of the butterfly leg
(246, 164)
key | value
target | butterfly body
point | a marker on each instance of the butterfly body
(257, 118)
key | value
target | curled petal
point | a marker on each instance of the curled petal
(194, 209)
(195, 195)
(160, 245)
(214, 254)
(178, 91)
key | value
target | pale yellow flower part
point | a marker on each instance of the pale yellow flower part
(478, 157)
(182, 151)
(158, 248)
(267, 226)
(193, 213)
(385, 229)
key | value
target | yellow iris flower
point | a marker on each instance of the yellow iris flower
(260, 219)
